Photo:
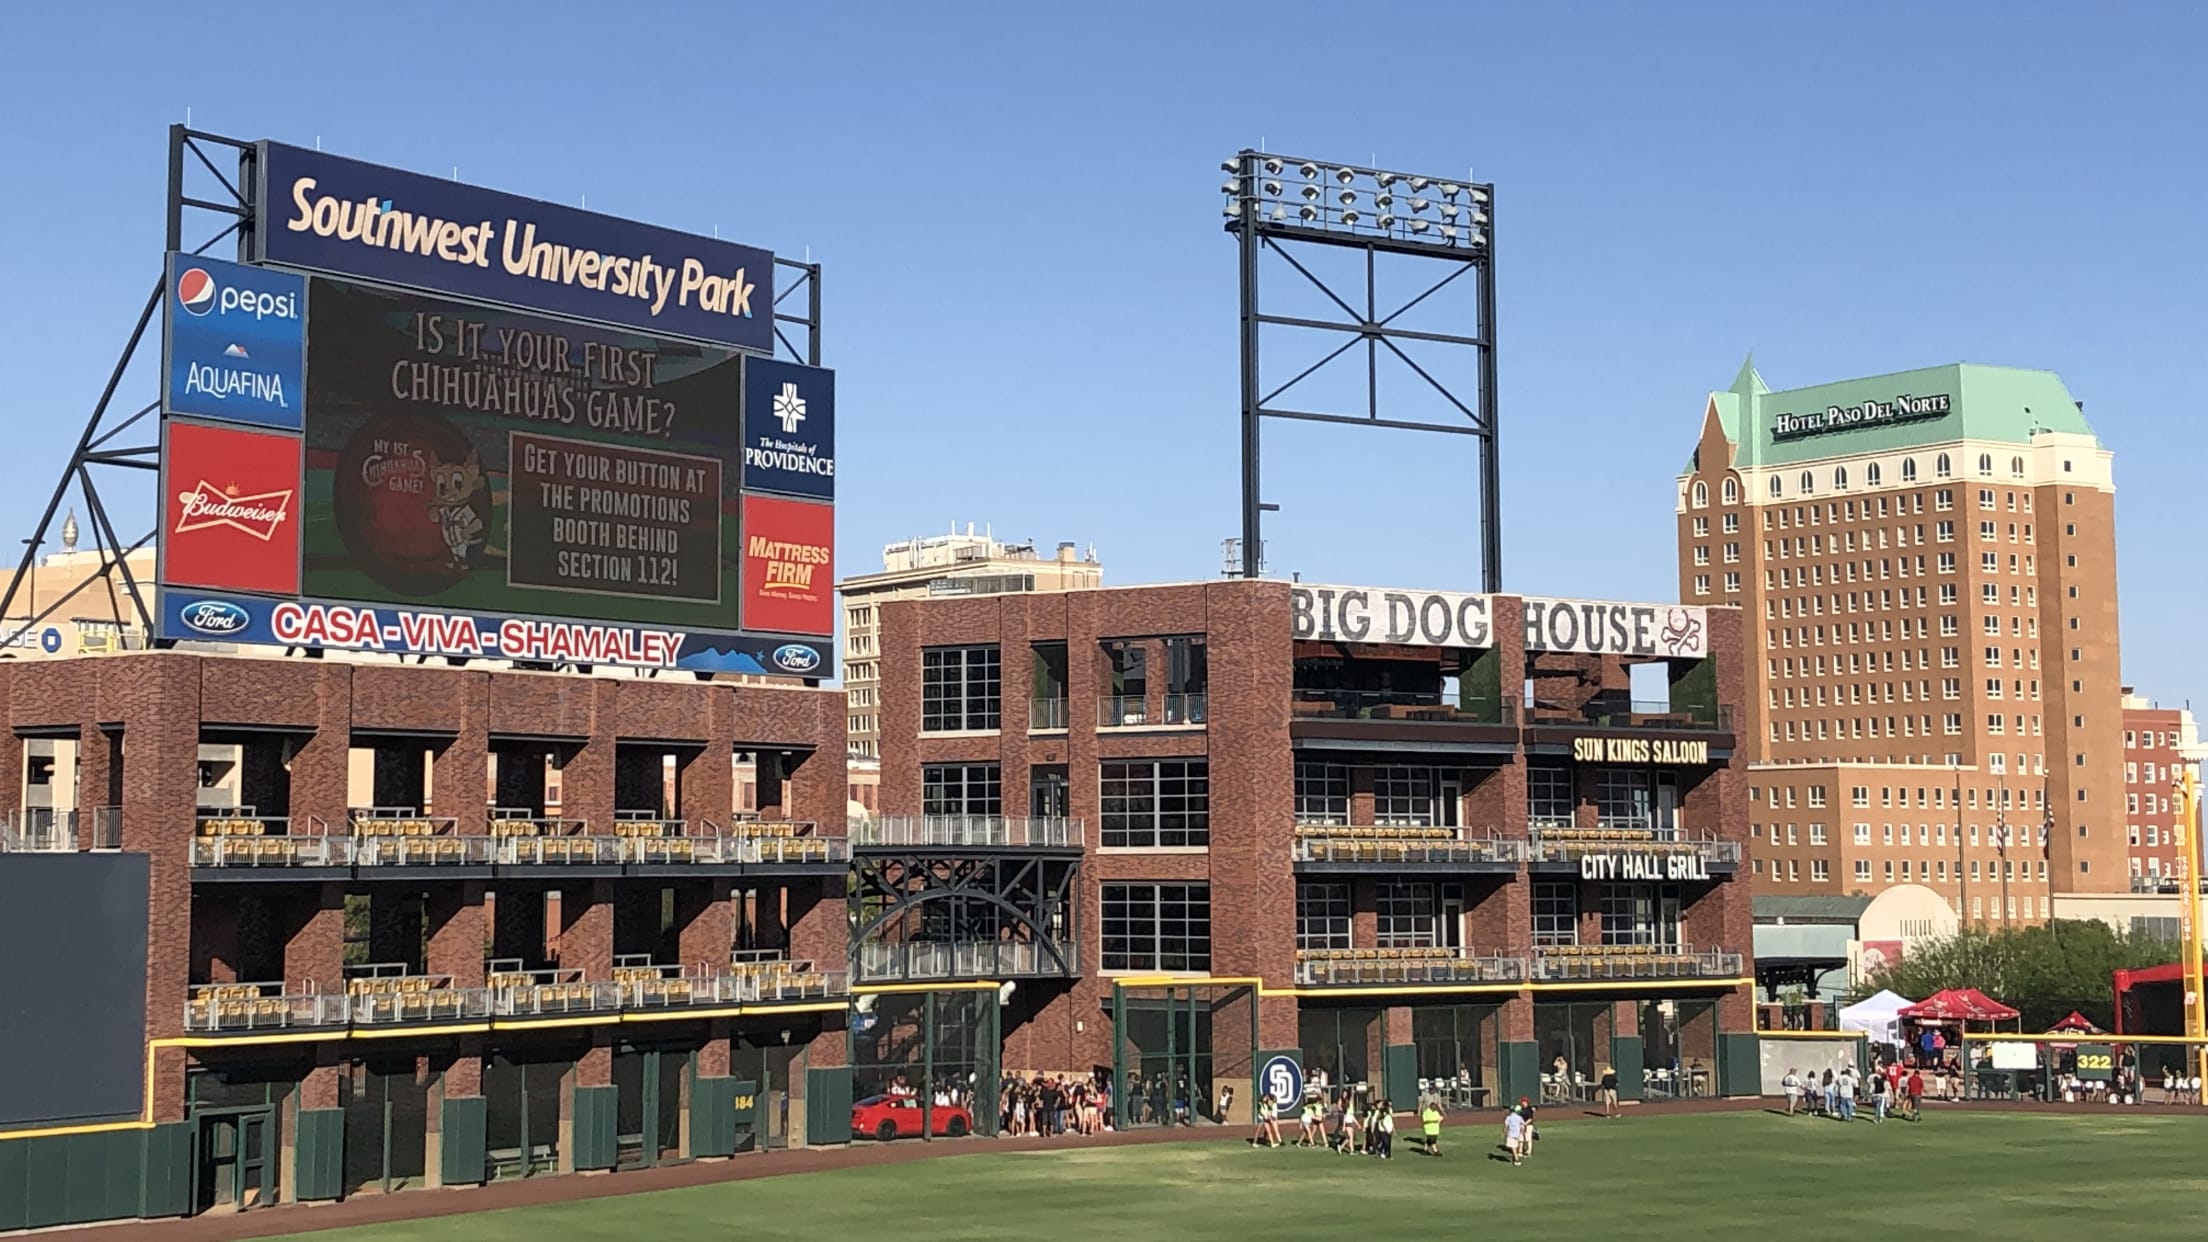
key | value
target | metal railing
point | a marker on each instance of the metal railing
(1132, 712)
(1047, 715)
(1567, 844)
(305, 850)
(215, 1007)
(1389, 843)
(997, 831)
(1345, 967)
(387, 993)
(1654, 715)
(44, 830)
(2163, 884)
(437, 850)
(1313, 703)
(1636, 961)
(893, 961)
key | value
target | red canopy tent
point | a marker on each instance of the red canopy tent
(2076, 1024)
(1958, 1005)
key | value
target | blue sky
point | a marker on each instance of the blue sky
(1031, 305)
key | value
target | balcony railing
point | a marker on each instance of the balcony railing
(1399, 843)
(2163, 884)
(1314, 703)
(1632, 961)
(894, 961)
(1047, 715)
(764, 976)
(231, 840)
(224, 1007)
(386, 993)
(1437, 966)
(1133, 711)
(1653, 715)
(44, 830)
(978, 831)
(1557, 844)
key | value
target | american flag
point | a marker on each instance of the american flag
(2047, 827)
(2001, 836)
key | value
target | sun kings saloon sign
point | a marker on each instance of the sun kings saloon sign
(1341, 614)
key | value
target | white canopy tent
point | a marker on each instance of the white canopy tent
(1879, 1016)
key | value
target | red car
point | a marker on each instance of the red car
(887, 1117)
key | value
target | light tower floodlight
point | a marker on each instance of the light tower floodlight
(1462, 244)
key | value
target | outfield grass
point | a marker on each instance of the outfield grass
(2007, 1176)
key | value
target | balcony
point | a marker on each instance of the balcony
(1345, 849)
(767, 976)
(1436, 966)
(929, 960)
(969, 832)
(402, 837)
(1633, 853)
(1047, 715)
(389, 842)
(1626, 962)
(1314, 703)
(1638, 715)
(1181, 711)
(41, 830)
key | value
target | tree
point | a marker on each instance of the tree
(2041, 972)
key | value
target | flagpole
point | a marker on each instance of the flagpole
(1962, 886)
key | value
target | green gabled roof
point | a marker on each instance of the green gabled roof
(1808, 908)
(1985, 403)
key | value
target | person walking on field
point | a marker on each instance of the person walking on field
(1844, 1085)
(1383, 1125)
(1792, 1085)
(1268, 1124)
(1429, 1122)
(1607, 1091)
(1832, 1096)
(1514, 1136)
(1916, 1095)
(1881, 1095)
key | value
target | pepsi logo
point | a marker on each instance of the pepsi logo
(195, 290)
(213, 616)
(796, 658)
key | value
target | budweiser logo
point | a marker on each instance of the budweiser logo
(206, 507)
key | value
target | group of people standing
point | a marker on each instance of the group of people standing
(1893, 1089)
(1335, 1124)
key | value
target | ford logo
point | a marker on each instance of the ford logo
(796, 657)
(213, 616)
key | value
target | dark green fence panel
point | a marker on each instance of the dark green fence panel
(320, 1164)
(828, 1105)
(461, 1128)
(595, 1133)
(1739, 1064)
(712, 1117)
(15, 1177)
(1521, 1071)
(1399, 1078)
(85, 1161)
(45, 1182)
(166, 1187)
(1626, 1055)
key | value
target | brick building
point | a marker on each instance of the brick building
(1407, 836)
(2156, 741)
(365, 981)
(1927, 562)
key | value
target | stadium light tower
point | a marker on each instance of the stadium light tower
(1284, 204)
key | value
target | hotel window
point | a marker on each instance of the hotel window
(1701, 554)
(1943, 500)
(1816, 834)
(1839, 478)
(1701, 495)
(1732, 553)
(1157, 927)
(1731, 493)
(1985, 465)
(1406, 916)
(1862, 834)
(1701, 584)
(1908, 469)
(1818, 873)
(1732, 582)
(1732, 523)
(961, 789)
(1860, 795)
(1322, 916)
(1941, 467)
(1816, 795)
(1549, 798)
(1808, 483)
(959, 689)
(1793, 869)
(1870, 474)
(1322, 793)
(1556, 911)
(1156, 803)
(1640, 914)
(1863, 869)
(2016, 467)
(1985, 498)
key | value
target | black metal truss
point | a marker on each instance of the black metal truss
(985, 896)
(1361, 319)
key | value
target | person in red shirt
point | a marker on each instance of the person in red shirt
(1916, 1094)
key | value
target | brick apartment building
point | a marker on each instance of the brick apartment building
(1927, 565)
(1409, 837)
(2157, 740)
(356, 984)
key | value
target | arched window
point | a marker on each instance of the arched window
(1809, 484)
(1731, 491)
(1908, 469)
(1701, 494)
(1839, 478)
(1985, 465)
(1778, 488)
(2016, 467)
(1942, 467)
(1871, 475)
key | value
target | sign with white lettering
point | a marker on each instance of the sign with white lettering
(1338, 614)
(1638, 750)
(1642, 866)
(1597, 627)
(1902, 409)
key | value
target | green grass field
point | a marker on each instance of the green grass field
(2013, 1177)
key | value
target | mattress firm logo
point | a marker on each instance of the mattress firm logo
(518, 248)
(1902, 409)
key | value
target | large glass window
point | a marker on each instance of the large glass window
(1156, 803)
(1549, 797)
(960, 689)
(1157, 927)
(961, 789)
(1640, 914)
(1407, 916)
(1322, 916)
(1405, 795)
(1048, 792)
(1047, 686)
(1626, 797)
(1322, 793)
(1555, 912)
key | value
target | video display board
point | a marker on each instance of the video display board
(437, 419)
